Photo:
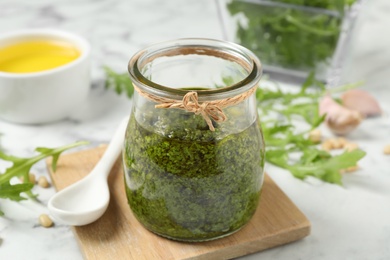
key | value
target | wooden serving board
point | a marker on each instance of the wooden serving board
(118, 235)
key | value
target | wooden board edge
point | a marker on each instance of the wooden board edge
(252, 247)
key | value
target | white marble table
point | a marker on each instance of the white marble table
(348, 222)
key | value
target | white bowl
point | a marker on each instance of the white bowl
(45, 96)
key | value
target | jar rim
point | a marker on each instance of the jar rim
(200, 46)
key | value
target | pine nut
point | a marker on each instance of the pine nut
(336, 144)
(386, 149)
(31, 177)
(350, 169)
(343, 142)
(327, 146)
(42, 181)
(45, 221)
(351, 147)
(315, 136)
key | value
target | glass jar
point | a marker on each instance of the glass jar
(194, 150)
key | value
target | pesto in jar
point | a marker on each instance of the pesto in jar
(188, 183)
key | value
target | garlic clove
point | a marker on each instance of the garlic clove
(339, 119)
(362, 101)
(342, 125)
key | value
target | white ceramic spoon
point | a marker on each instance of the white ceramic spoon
(86, 200)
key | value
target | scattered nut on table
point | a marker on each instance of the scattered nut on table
(31, 177)
(350, 169)
(386, 149)
(333, 143)
(336, 143)
(315, 136)
(343, 142)
(42, 181)
(339, 143)
(45, 221)
(351, 147)
(327, 146)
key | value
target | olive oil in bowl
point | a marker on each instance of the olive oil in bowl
(36, 55)
(44, 75)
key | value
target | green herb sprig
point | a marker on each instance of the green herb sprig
(120, 82)
(21, 168)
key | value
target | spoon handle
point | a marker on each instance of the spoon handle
(112, 152)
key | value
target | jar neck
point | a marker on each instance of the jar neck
(226, 51)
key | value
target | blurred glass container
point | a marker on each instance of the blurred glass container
(293, 37)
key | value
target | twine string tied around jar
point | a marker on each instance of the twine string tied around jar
(209, 110)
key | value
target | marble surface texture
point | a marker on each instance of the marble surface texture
(348, 222)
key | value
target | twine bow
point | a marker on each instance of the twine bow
(206, 109)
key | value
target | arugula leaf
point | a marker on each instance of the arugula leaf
(12, 192)
(21, 168)
(278, 157)
(120, 82)
(328, 168)
(311, 155)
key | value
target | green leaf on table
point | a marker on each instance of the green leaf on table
(21, 168)
(55, 155)
(12, 192)
(327, 168)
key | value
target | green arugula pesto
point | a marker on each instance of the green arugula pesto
(187, 183)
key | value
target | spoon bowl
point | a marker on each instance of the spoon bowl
(86, 200)
(82, 203)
